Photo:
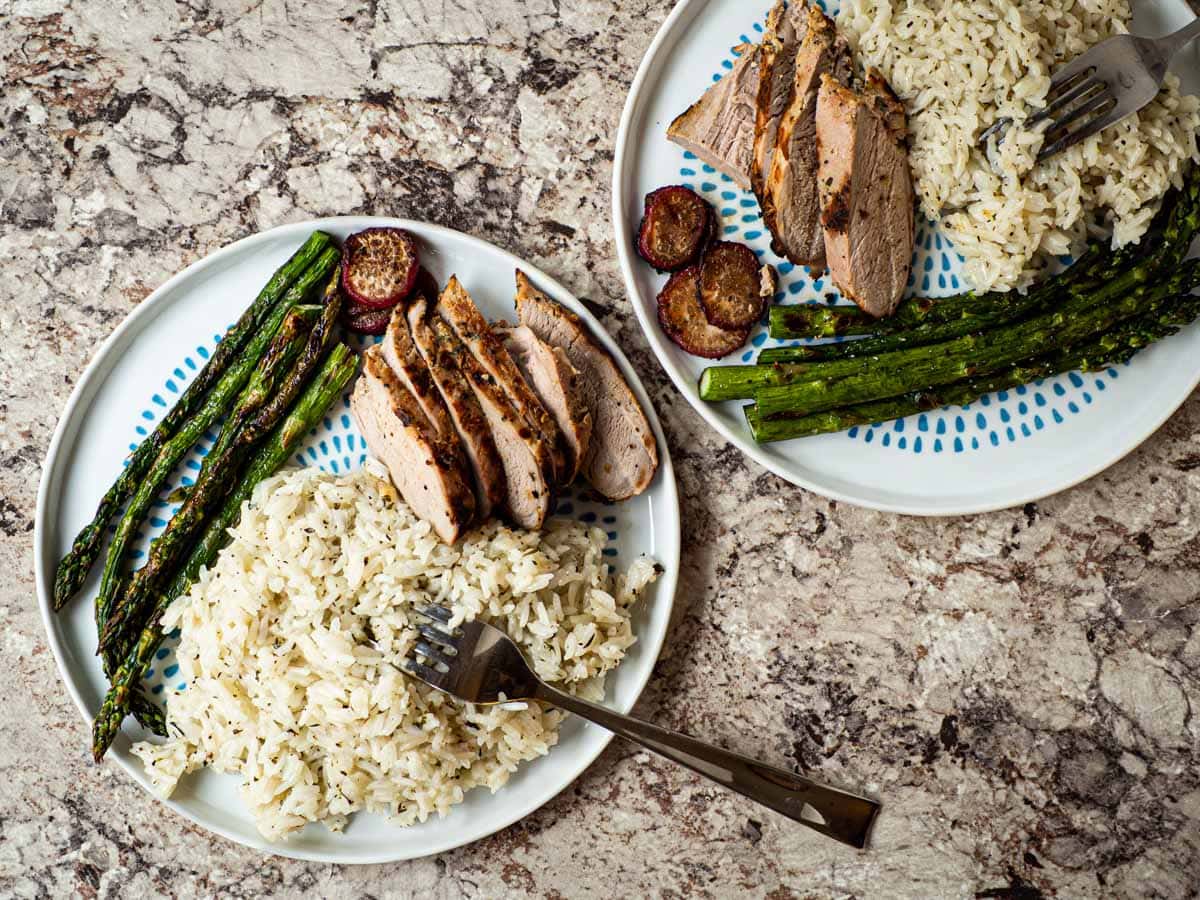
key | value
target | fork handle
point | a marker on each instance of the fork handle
(1172, 43)
(836, 813)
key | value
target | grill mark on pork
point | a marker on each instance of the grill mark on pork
(399, 353)
(785, 27)
(462, 315)
(790, 202)
(887, 106)
(836, 214)
(465, 413)
(528, 492)
(622, 456)
(719, 127)
(556, 383)
(424, 466)
(866, 192)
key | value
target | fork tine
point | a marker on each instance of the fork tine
(1064, 76)
(1106, 104)
(1065, 88)
(435, 612)
(1066, 99)
(431, 653)
(439, 638)
(1087, 108)
(423, 672)
(996, 127)
(1112, 116)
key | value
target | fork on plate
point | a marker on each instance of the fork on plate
(1112, 80)
(478, 663)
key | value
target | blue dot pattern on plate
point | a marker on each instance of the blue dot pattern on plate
(333, 446)
(995, 420)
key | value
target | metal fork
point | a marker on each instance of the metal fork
(1112, 80)
(478, 663)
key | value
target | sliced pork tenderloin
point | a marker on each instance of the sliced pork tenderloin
(785, 27)
(790, 203)
(529, 493)
(719, 127)
(464, 412)
(556, 383)
(866, 192)
(401, 354)
(459, 311)
(622, 455)
(425, 467)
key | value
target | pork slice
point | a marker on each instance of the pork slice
(866, 192)
(528, 492)
(556, 383)
(790, 203)
(459, 311)
(785, 27)
(401, 354)
(719, 127)
(464, 412)
(425, 469)
(622, 455)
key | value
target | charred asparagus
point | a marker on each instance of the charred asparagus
(1111, 348)
(304, 415)
(215, 405)
(74, 567)
(920, 368)
(129, 612)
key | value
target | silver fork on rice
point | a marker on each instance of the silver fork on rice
(1110, 81)
(478, 663)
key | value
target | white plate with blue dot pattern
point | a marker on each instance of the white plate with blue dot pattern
(135, 378)
(1009, 448)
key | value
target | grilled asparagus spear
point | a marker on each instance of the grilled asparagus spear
(305, 414)
(928, 332)
(920, 368)
(130, 610)
(216, 404)
(74, 567)
(148, 713)
(719, 383)
(258, 391)
(813, 320)
(1105, 279)
(1093, 268)
(1110, 348)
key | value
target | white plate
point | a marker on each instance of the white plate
(132, 382)
(1010, 448)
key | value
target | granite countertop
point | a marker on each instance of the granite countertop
(1021, 688)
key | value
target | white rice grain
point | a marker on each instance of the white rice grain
(961, 66)
(282, 692)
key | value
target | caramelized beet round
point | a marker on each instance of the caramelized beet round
(731, 286)
(676, 224)
(426, 286)
(366, 321)
(682, 319)
(379, 267)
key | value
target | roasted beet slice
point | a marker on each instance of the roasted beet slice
(683, 321)
(426, 286)
(732, 290)
(379, 267)
(676, 224)
(366, 321)
(352, 309)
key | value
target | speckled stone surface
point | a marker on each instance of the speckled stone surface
(1020, 688)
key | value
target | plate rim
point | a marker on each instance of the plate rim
(91, 381)
(664, 40)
